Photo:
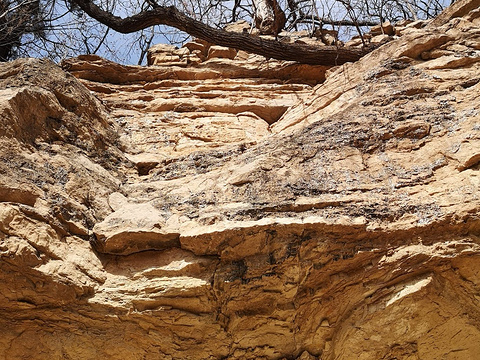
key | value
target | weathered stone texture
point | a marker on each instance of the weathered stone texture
(217, 208)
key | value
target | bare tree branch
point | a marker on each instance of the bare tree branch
(325, 55)
(13, 9)
(327, 21)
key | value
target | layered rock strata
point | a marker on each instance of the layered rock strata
(245, 209)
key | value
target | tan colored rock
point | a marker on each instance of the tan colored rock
(328, 37)
(240, 26)
(403, 22)
(354, 43)
(19, 193)
(161, 54)
(399, 30)
(133, 228)
(463, 8)
(166, 59)
(117, 200)
(190, 109)
(407, 27)
(242, 55)
(346, 229)
(452, 61)
(195, 58)
(182, 52)
(385, 28)
(379, 39)
(434, 54)
(221, 52)
(200, 45)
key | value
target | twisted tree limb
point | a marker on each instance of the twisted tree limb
(170, 16)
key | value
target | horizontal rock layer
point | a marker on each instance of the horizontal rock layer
(242, 208)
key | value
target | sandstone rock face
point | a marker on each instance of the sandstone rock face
(244, 208)
(219, 105)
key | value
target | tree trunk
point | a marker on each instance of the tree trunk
(269, 17)
(170, 16)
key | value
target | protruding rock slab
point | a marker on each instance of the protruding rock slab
(133, 228)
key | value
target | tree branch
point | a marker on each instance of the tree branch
(16, 7)
(328, 21)
(170, 16)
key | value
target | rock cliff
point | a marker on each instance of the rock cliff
(217, 205)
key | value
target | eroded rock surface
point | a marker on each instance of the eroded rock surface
(220, 208)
